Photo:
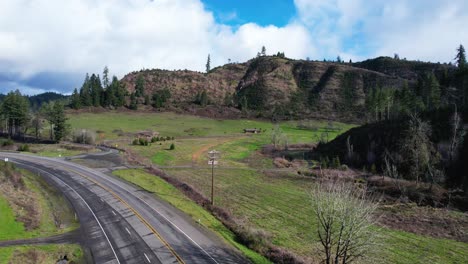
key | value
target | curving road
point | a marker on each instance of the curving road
(123, 224)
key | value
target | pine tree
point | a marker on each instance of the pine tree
(75, 102)
(203, 98)
(59, 121)
(140, 86)
(208, 64)
(263, 52)
(105, 77)
(461, 57)
(85, 92)
(133, 102)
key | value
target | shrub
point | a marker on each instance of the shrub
(343, 167)
(83, 136)
(7, 142)
(172, 147)
(143, 141)
(24, 147)
(136, 142)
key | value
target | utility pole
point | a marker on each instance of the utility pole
(213, 156)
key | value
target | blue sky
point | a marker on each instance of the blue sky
(261, 12)
(49, 45)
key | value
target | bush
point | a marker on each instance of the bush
(343, 167)
(84, 136)
(136, 142)
(7, 142)
(143, 141)
(172, 147)
(24, 147)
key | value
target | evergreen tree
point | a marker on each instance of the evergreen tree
(85, 92)
(140, 86)
(208, 64)
(263, 51)
(105, 77)
(431, 92)
(75, 101)
(96, 89)
(203, 98)
(15, 111)
(119, 92)
(59, 121)
(461, 57)
(133, 102)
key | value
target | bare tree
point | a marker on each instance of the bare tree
(456, 136)
(277, 137)
(344, 220)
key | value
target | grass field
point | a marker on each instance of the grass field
(246, 183)
(44, 254)
(56, 216)
(170, 194)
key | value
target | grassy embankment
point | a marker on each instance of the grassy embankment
(276, 202)
(31, 208)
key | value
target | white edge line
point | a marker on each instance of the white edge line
(96, 173)
(174, 225)
(87, 205)
(147, 257)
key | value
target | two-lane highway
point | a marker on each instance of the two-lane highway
(122, 224)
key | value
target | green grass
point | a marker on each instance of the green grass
(170, 124)
(9, 227)
(281, 206)
(52, 205)
(278, 203)
(162, 157)
(170, 194)
(46, 254)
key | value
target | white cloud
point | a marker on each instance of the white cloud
(420, 29)
(84, 35)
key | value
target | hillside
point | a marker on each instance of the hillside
(275, 87)
(409, 70)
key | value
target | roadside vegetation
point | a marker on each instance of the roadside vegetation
(176, 198)
(31, 208)
(43, 254)
(270, 201)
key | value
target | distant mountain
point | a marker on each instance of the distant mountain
(271, 86)
(37, 100)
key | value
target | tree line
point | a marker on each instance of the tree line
(93, 92)
(430, 93)
(18, 118)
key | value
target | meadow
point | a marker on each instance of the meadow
(273, 202)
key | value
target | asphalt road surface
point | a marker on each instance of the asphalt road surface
(123, 224)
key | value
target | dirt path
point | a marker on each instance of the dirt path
(196, 156)
(69, 237)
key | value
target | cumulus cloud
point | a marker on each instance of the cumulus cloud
(421, 29)
(79, 36)
(65, 39)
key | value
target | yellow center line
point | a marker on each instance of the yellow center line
(142, 219)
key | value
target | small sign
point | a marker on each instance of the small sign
(212, 162)
(6, 159)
